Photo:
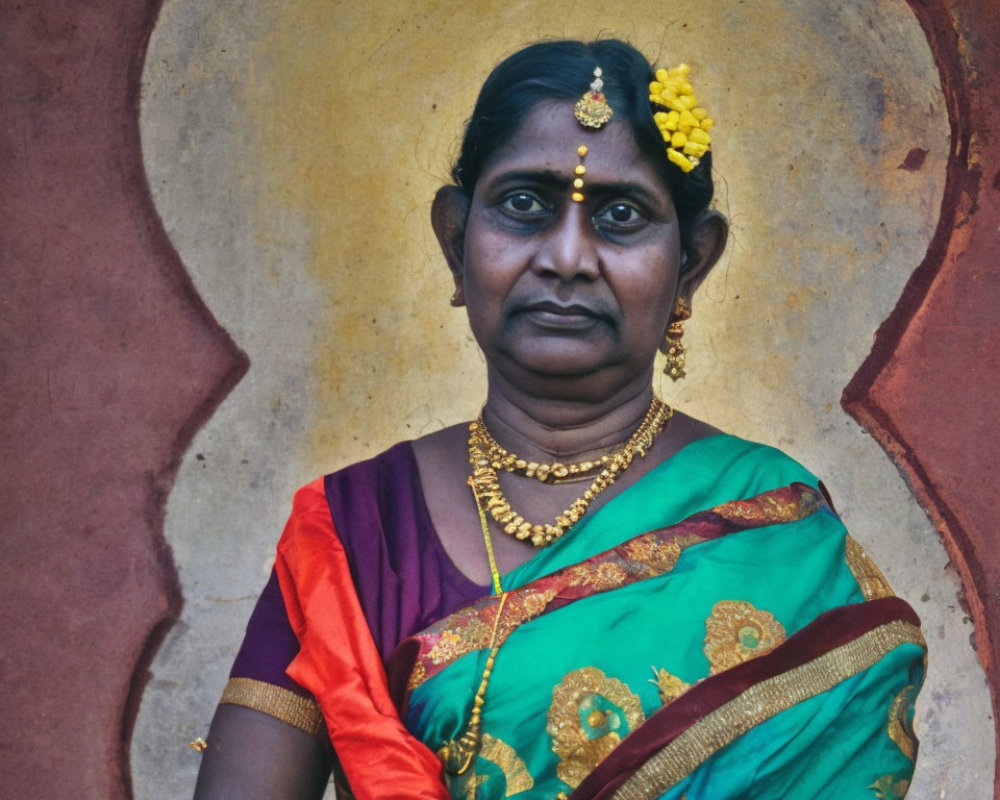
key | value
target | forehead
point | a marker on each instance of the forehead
(548, 138)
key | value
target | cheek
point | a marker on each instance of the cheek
(648, 287)
(492, 266)
(484, 285)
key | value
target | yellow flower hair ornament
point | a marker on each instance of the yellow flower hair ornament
(684, 124)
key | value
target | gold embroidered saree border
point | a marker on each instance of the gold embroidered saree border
(298, 711)
(870, 579)
(647, 555)
(758, 704)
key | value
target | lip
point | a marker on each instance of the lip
(550, 314)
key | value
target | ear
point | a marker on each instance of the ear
(708, 241)
(448, 214)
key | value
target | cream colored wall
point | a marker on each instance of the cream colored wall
(293, 153)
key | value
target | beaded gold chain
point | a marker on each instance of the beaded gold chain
(458, 754)
(486, 457)
(555, 472)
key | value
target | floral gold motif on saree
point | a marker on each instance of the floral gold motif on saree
(589, 716)
(890, 787)
(669, 685)
(869, 577)
(452, 644)
(659, 555)
(646, 556)
(501, 755)
(737, 632)
(447, 647)
(471, 629)
(600, 578)
(771, 508)
(901, 722)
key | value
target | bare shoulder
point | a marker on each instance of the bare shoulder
(684, 430)
(443, 463)
(444, 437)
(442, 443)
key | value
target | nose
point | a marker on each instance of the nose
(568, 247)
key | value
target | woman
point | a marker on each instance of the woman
(582, 593)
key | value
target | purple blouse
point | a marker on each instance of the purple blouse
(403, 577)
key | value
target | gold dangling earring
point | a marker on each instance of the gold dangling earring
(672, 346)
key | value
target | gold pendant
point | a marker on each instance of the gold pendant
(458, 755)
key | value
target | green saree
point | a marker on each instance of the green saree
(712, 632)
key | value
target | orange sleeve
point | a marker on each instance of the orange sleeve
(339, 663)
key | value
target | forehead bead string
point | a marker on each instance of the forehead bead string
(579, 171)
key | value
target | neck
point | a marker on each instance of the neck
(547, 429)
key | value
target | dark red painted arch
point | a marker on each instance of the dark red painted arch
(109, 363)
(930, 390)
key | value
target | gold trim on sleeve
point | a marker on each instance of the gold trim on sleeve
(758, 704)
(298, 711)
(869, 577)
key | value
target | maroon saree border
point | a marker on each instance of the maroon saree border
(827, 632)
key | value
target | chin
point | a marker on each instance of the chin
(565, 360)
(578, 377)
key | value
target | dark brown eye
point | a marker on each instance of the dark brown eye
(523, 204)
(619, 215)
(621, 212)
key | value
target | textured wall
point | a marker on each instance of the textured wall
(930, 390)
(108, 364)
(293, 155)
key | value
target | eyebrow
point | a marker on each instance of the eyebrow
(561, 180)
(545, 177)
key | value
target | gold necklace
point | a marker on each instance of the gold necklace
(458, 754)
(555, 472)
(486, 484)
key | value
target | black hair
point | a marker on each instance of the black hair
(562, 70)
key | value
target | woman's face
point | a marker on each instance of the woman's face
(558, 289)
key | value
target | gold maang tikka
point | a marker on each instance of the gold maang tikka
(592, 110)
